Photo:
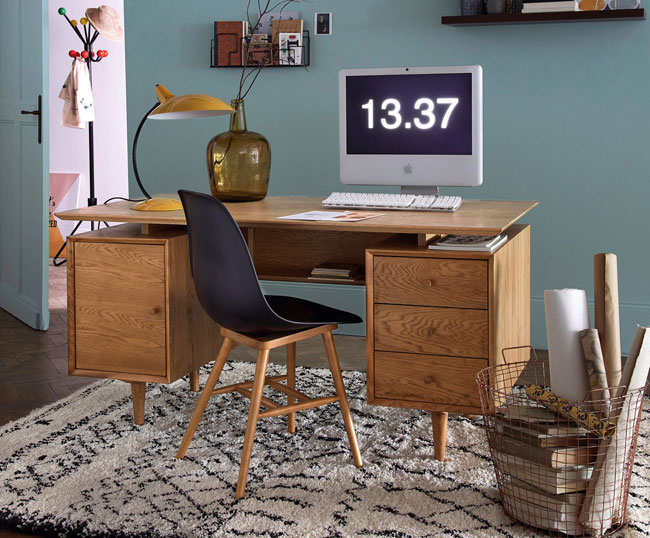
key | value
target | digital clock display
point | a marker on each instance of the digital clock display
(409, 115)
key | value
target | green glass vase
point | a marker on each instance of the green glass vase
(239, 161)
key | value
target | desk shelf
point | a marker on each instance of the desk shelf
(531, 18)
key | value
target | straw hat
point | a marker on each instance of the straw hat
(106, 21)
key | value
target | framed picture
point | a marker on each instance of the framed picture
(323, 23)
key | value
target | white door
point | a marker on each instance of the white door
(24, 178)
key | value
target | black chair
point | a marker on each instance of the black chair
(227, 287)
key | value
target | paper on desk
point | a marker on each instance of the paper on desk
(342, 216)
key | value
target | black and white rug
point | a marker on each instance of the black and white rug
(80, 468)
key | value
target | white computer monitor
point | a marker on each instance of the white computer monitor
(416, 127)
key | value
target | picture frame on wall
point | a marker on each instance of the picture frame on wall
(323, 23)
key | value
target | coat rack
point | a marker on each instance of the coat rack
(88, 34)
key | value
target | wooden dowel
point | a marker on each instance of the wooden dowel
(314, 402)
(246, 384)
(270, 404)
(290, 392)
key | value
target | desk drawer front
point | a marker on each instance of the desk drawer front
(428, 379)
(431, 282)
(438, 331)
(120, 308)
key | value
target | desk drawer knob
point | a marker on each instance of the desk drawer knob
(156, 310)
(431, 282)
(428, 380)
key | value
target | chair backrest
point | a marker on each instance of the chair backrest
(224, 275)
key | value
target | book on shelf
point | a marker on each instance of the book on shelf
(228, 40)
(554, 481)
(545, 6)
(335, 272)
(265, 25)
(471, 243)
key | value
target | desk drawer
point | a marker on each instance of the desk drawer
(438, 331)
(431, 282)
(427, 378)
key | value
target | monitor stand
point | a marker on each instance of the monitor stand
(417, 189)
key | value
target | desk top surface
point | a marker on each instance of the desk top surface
(480, 217)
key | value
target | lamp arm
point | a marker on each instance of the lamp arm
(135, 148)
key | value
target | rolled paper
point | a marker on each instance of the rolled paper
(595, 364)
(566, 316)
(577, 413)
(606, 485)
(607, 316)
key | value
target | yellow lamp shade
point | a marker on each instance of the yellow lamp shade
(191, 105)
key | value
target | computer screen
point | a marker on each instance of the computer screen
(419, 127)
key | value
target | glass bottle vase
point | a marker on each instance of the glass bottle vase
(239, 161)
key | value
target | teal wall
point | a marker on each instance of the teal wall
(566, 115)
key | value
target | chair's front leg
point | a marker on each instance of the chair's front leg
(251, 425)
(335, 368)
(291, 383)
(219, 363)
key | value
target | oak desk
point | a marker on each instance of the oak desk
(434, 318)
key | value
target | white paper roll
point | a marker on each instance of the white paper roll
(566, 316)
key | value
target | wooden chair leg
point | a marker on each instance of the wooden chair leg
(219, 363)
(138, 390)
(251, 425)
(291, 383)
(335, 368)
(194, 380)
(439, 424)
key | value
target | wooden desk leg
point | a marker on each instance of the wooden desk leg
(291, 383)
(194, 381)
(138, 390)
(439, 423)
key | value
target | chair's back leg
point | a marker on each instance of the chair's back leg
(335, 368)
(291, 383)
(251, 425)
(219, 363)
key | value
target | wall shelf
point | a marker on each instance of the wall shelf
(528, 18)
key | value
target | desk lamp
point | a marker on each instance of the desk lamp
(174, 107)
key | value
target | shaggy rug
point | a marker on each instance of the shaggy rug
(80, 468)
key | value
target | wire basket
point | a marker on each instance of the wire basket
(564, 475)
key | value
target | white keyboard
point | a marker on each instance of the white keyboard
(405, 202)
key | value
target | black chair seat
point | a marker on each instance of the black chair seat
(303, 311)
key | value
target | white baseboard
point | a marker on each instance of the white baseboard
(23, 308)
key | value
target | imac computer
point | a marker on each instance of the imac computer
(419, 128)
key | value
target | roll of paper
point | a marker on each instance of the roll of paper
(606, 485)
(566, 316)
(606, 314)
(595, 370)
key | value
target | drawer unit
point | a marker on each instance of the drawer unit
(133, 314)
(431, 282)
(427, 379)
(438, 331)
(435, 318)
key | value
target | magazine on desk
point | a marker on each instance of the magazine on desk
(336, 216)
(472, 243)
